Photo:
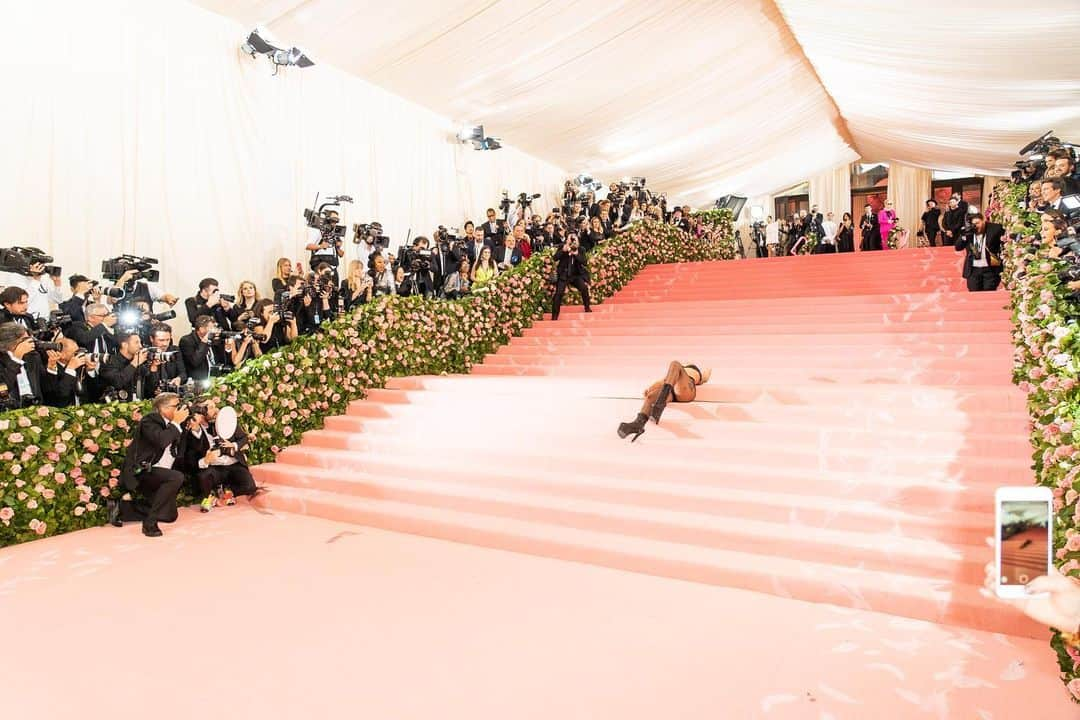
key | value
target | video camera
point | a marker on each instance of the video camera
(373, 231)
(19, 259)
(114, 268)
(525, 199)
(1032, 163)
(445, 236)
(320, 219)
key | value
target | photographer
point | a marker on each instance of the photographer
(326, 244)
(67, 369)
(493, 231)
(982, 264)
(171, 373)
(20, 368)
(148, 467)
(416, 262)
(382, 278)
(273, 330)
(357, 287)
(83, 293)
(127, 375)
(214, 461)
(570, 269)
(94, 334)
(132, 286)
(322, 284)
(201, 352)
(445, 256)
(209, 301)
(457, 283)
(474, 242)
(14, 301)
(299, 301)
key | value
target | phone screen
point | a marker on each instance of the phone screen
(1025, 538)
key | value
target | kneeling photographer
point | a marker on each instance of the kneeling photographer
(570, 269)
(214, 461)
(982, 264)
(148, 467)
(457, 283)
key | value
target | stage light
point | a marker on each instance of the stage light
(259, 42)
(471, 133)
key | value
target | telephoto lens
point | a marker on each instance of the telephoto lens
(227, 298)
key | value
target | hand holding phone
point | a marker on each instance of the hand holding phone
(1023, 539)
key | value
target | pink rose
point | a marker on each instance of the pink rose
(24, 422)
(91, 506)
(79, 510)
(6, 514)
(59, 478)
(48, 493)
(42, 411)
(1074, 687)
(34, 524)
(15, 437)
(104, 492)
(45, 470)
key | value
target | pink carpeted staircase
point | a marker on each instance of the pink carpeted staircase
(859, 417)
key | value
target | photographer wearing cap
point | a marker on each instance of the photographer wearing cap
(127, 375)
(982, 264)
(148, 467)
(214, 461)
(20, 368)
(570, 269)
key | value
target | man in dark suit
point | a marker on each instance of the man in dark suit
(148, 465)
(171, 372)
(20, 368)
(952, 222)
(82, 294)
(492, 230)
(198, 353)
(570, 269)
(474, 242)
(208, 301)
(1052, 190)
(67, 375)
(14, 301)
(982, 265)
(126, 374)
(214, 461)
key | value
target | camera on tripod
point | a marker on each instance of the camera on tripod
(372, 232)
(114, 268)
(525, 199)
(19, 259)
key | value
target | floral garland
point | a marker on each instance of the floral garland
(1045, 367)
(58, 466)
(898, 238)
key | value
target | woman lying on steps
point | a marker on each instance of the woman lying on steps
(680, 385)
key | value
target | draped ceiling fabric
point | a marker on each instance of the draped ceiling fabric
(831, 191)
(959, 85)
(909, 189)
(137, 126)
(702, 98)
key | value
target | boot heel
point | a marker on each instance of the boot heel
(666, 393)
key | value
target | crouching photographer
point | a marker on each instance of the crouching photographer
(148, 468)
(215, 460)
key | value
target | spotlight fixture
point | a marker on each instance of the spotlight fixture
(471, 133)
(488, 143)
(259, 42)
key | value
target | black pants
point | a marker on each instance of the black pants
(560, 290)
(932, 238)
(983, 279)
(159, 487)
(236, 477)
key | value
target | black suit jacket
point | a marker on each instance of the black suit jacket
(194, 352)
(153, 435)
(120, 374)
(196, 306)
(9, 376)
(194, 447)
(86, 337)
(571, 266)
(63, 388)
(74, 306)
(493, 232)
(27, 321)
(993, 235)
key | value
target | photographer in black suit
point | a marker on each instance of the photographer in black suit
(148, 466)
(570, 269)
(67, 370)
(493, 231)
(982, 265)
(208, 301)
(214, 461)
(83, 294)
(199, 354)
(127, 375)
(14, 301)
(170, 372)
(20, 368)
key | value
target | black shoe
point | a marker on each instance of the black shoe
(635, 428)
(588, 309)
(666, 393)
(112, 509)
(151, 530)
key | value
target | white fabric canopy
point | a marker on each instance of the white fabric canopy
(961, 85)
(909, 189)
(831, 191)
(137, 126)
(701, 98)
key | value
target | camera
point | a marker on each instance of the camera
(43, 346)
(444, 236)
(525, 199)
(320, 219)
(155, 355)
(19, 259)
(45, 328)
(372, 231)
(114, 268)
(227, 298)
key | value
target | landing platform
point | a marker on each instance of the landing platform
(248, 614)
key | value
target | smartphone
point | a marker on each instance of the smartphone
(1024, 537)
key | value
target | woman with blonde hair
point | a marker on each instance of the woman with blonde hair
(282, 271)
(243, 309)
(357, 286)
